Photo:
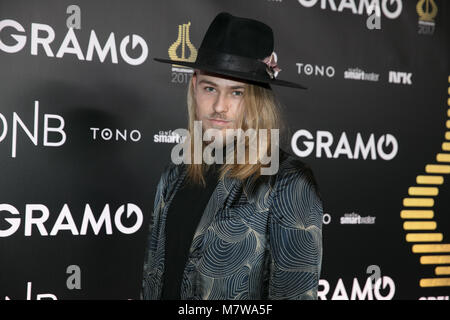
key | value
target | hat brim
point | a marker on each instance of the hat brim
(235, 74)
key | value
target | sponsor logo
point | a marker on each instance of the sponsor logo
(326, 218)
(36, 219)
(33, 134)
(382, 288)
(358, 74)
(391, 9)
(316, 70)
(39, 296)
(427, 11)
(107, 134)
(168, 137)
(435, 298)
(323, 142)
(42, 36)
(354, 218)
(182, 49)
(398, 77)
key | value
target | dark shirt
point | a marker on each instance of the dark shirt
(183, 218)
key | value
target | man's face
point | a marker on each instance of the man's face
(219, 100)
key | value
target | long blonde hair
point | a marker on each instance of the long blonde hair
(261, 110)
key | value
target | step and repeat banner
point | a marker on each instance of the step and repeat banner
(87, 119)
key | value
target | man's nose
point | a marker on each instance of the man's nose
(221, 104)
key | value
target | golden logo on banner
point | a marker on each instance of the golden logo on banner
(418, 213)
(183, 44)
(427, 11)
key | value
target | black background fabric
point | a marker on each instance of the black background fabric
(105, 172)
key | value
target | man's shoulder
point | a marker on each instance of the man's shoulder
(292, 169)
(290, 163)
(296, 194)
(170, 172)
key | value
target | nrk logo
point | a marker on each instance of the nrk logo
(398, 77)
(304, 142)
(390, 8)
(35, 219)
(41, 41)
(57, 133)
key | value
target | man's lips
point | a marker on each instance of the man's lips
(217, 121)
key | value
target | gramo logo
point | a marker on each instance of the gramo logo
(383, 289)
(391, 11)
(37, 215)
(42, 36)
(324, 141)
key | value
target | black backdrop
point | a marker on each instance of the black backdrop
(103, 134)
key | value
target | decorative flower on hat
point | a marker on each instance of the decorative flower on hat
(272, 67)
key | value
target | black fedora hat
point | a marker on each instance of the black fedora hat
(238, 47)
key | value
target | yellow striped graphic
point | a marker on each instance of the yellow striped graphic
(416, 214)
(443, 157)
(419, 225)
(417, 198)
(435, 282)
(442, 271)
(425, 248)
(423, 191)
(418, 202)
(434, 259)
(437, 168)
(424, 237)
(430, 180)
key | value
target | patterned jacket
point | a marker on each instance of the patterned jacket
(256, 239)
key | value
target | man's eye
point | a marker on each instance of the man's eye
(209, 89)
(238, 93)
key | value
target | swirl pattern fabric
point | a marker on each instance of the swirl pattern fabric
(258, 239)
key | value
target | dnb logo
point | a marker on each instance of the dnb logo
(36, 216)
(58, 135)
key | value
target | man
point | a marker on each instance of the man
(227, 231)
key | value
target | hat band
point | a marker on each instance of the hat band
(231, 62)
